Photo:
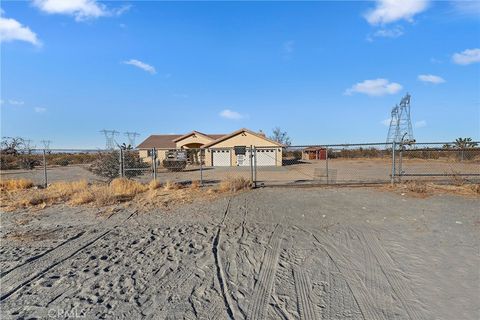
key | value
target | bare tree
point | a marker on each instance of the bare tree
(281, 137)
(12, 145)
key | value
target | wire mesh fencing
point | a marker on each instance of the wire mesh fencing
(326, 164)
(442, 162)
(294, 165)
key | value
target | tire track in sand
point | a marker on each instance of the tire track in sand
(219, 267)
(26, 273)
(263, 287)
(303, 288)
(368, 306)
(391, 272)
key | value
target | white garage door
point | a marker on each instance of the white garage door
(221, 158)
(266, 157)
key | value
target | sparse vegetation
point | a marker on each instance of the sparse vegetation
(15, 184)
(107, 165)
(234, 184)
(119, 190)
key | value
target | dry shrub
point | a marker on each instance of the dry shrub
(126, 187)
(154, 185)
(195, 185)
(82, 197)
(66, 189)
(475, 188)
(169, 185)
(417, 187)
(234, 184)
(15, 184)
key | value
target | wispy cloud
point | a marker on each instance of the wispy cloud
(388, 11)
(289, 46)
(142, 65)
(467, 7)
(80, 9)
(420, 124)
(431, 78)
(394, 32)
(467, 56)
(16, 102)
(12, 30)
(40, 109)
(231, 115)
(375, 87)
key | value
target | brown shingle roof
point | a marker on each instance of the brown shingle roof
(159, 141)
(167, 140)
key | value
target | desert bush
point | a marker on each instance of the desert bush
(15, 184)
(62, 162)
(107, 165)
(234, 184)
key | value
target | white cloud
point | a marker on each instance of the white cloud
(80, 9)
(375, 87)
(420, 124)
(431, 78)
(467, 56)
(387, 11)
(11, 30)
(15, 102)
(230, 114)
(40, 110)
(142, 65)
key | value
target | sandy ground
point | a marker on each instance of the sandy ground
(331, 253)
(311, 171)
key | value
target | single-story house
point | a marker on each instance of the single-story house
(217, 149)
(314, 153)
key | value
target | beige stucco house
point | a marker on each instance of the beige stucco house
(218, 149)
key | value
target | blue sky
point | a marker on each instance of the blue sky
(326, 72)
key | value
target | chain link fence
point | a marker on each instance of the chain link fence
(264, 166)
(441, 162)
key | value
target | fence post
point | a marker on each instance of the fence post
(254, 166)
(251, 164)
(121, 163)
(326, 163)
(393, 162)
(201, 167)
(154, 163)
(45, 178)
(400, 162)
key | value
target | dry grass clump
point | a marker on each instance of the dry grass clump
(65, 189)
(417, 187)
(15, 184)
(195, 185)
(169, 185)
(154, 185)
(126, 187)
(234, 184)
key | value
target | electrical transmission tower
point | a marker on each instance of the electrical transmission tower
(110, 138)
(400, 129)
(131, 138)
(46, 144)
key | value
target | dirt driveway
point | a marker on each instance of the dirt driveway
(264, 254)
